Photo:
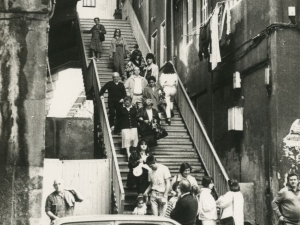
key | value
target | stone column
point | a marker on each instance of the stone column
(23, 52)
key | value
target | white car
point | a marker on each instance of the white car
(115, 220)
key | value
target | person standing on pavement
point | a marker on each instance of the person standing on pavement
(286, 204)
(232, 204)
(159, 177)
(207, 204)
(186, 209)
(116, 94)
(61, 202)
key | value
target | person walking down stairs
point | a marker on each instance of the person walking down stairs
(129, 125)
(168, 81)
(118, 51)
(159, 177)
(116, 94)
(98, 37)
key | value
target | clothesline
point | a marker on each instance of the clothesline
(192, 32)
(208, 19)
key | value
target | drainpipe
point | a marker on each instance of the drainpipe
(212, 108)
(172, 31)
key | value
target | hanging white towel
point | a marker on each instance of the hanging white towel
(215, 56)
(228, 18)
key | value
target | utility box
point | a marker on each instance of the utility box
(235, 118)
(236, 80)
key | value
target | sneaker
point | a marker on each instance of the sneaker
(168, 121)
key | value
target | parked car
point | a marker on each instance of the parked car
(115, 220)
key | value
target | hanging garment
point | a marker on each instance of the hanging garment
(215, 56)
(204, 41)
(228, 19)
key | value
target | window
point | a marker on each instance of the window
(163, 46)
(204, 11)
(154, 43)
(89, 3)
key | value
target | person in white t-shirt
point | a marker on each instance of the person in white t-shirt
(159, 178)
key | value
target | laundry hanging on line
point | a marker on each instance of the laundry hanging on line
(212, 32)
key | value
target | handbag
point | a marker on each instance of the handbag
(160, 132)
(102, 37)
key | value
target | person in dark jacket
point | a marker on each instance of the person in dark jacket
(148, 118)
(186, 208)
(97, 32)
(116, 94)
(129, 125)
(138, 158)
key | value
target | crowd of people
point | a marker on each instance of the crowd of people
(137, 94)
(135, 104)
(189, 204)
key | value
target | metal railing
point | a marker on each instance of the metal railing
(87, 79)
(91, 80)
(203, 145)
(119, 194)
(129, 14)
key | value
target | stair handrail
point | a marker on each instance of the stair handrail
(91, 80)
(108, 142)
(87, 79)
(129, 13)
(203, 145)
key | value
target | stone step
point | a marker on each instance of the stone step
(198, 176)
(165, 158)
(107, 24)
(175, 168)
(159, 150)
(167, 150)
(174, 139)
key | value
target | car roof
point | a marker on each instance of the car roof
(119, 217)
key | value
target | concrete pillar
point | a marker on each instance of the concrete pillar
(23, 52)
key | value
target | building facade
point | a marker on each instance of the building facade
(260, 45)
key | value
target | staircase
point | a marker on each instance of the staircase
(171, 151)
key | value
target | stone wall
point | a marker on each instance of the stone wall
(69, 138)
